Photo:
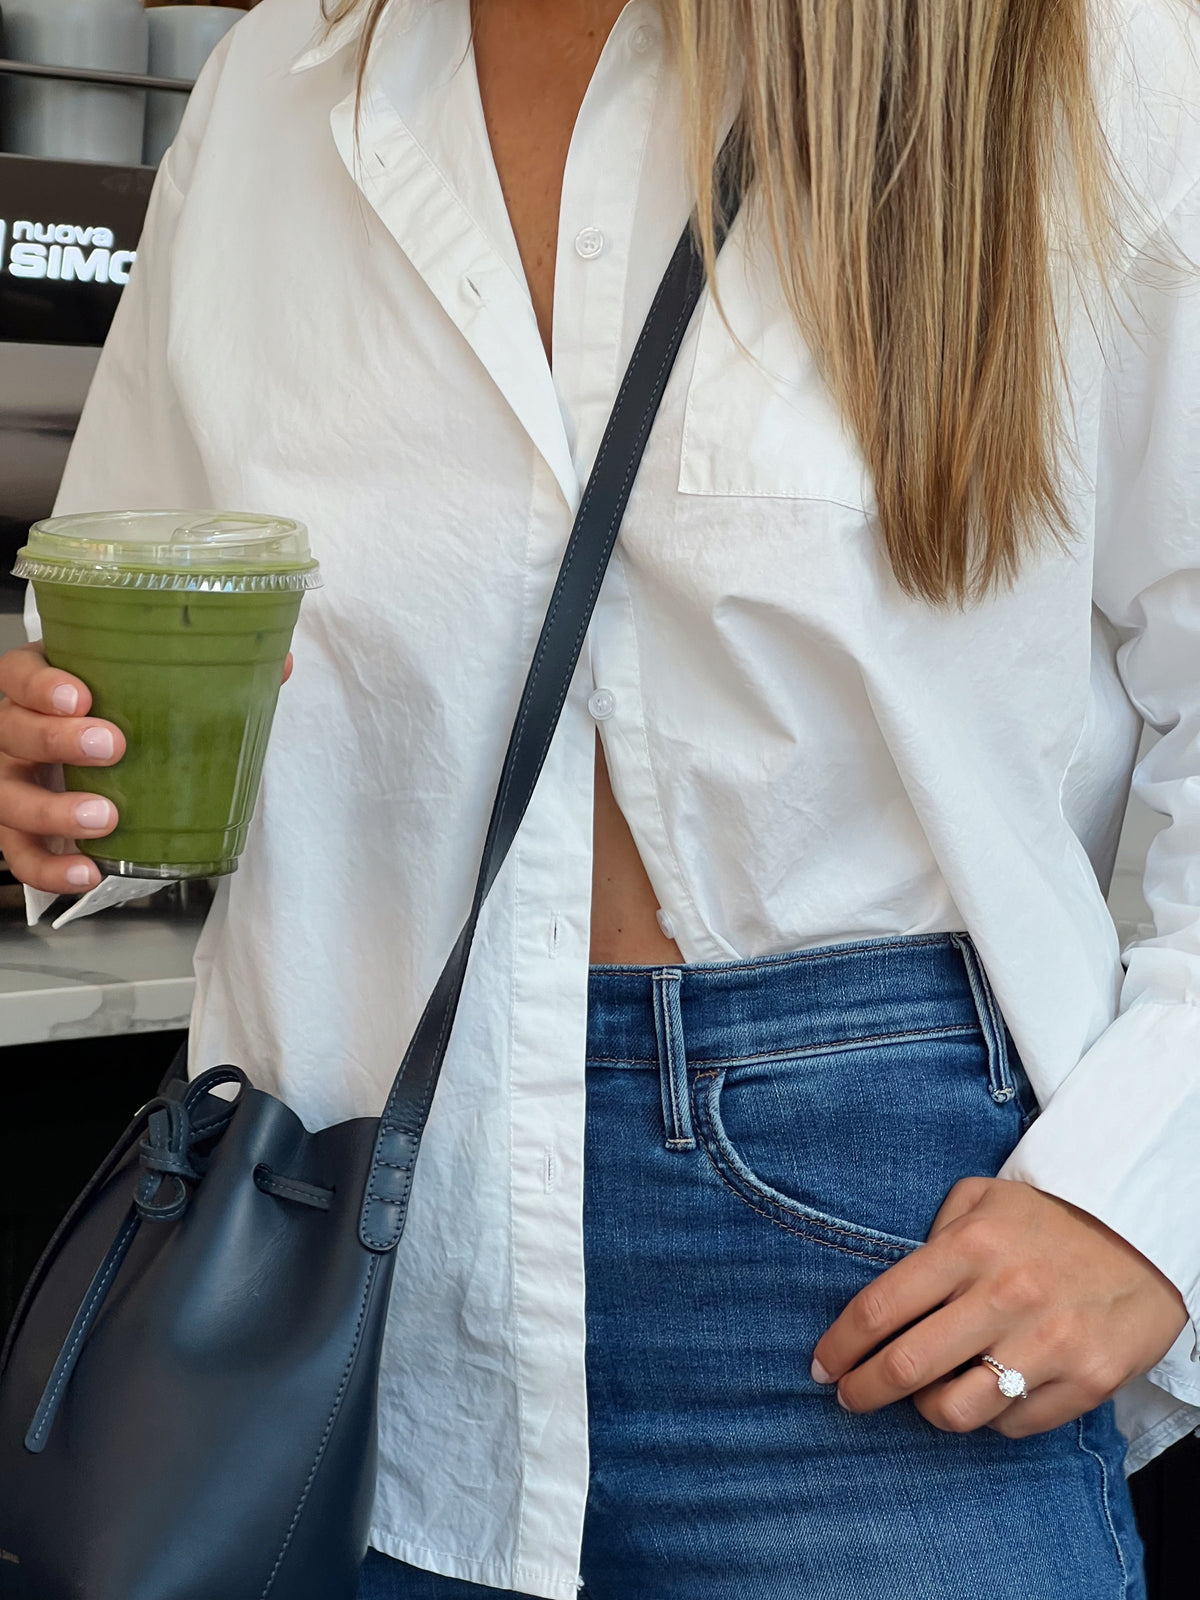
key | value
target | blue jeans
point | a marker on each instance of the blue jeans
(763, 1138)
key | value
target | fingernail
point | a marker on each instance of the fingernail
(80, 875)
(841, 1402)
(65, 699)
(97, 743)
(819, 1373)
(93, 814)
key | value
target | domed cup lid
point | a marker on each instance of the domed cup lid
(223, 552)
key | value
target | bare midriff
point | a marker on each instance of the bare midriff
(535, 59)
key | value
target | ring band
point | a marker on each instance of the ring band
(1012, 1382)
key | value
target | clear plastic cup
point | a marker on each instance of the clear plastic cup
(179, 622)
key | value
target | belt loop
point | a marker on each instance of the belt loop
(672, 1060)
(991, 1023)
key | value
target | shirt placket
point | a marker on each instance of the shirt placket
(551, 871)
(597, 216)
(603, 244)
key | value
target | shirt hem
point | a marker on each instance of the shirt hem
(537, 1581)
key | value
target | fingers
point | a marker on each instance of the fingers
(287, 667)
(909, 1290)
(1048, 1406)
(51, 740)
(964, 1401)
(937, 1364)
(939, 1270)
(28, 681)
(959, 1404)
(38, 826)
(32, 862)
(28, 808)
(935, 1346)
(44, 722)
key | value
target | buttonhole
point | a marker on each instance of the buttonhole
(551, 1169)
(554, 935)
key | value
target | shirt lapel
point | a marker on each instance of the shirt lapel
(422, 160)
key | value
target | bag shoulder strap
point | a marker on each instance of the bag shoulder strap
(389, 1181)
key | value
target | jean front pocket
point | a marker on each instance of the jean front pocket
(855, 1146)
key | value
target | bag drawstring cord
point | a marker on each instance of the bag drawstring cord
(169, 1162)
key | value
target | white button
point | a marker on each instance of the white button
(643, 40)
(602, 704)
(588, 243)
(666, 923)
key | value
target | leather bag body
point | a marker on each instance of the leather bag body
(217, 1436)
(188, 1389)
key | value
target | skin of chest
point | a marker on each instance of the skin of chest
(534, 60)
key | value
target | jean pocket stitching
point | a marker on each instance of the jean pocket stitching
(741, 1182)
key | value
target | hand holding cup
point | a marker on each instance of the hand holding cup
(44, 722)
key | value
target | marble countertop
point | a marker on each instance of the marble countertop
(119, 972)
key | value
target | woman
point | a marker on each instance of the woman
(813, 878)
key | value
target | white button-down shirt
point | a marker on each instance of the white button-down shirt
(341, 331)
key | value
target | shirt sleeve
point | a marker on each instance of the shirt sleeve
(1121, 1137)
(133, 449)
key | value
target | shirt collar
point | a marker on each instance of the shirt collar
(326, 42)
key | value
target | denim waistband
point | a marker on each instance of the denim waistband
(809, 999)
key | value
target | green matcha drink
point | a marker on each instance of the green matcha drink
(179, 623)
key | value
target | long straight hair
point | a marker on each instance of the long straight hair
(906, 157)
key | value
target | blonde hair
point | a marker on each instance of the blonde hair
(904, 156)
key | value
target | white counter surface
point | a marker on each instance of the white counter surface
(123, 972)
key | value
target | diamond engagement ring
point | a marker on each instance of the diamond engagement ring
(1012, 1382)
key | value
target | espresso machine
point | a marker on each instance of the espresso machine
(68, 237)
(69, 230)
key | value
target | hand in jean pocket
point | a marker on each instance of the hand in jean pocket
(1018, 1274)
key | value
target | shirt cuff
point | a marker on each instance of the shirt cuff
(1120, 1138)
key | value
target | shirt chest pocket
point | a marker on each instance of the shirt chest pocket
(759, 421)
